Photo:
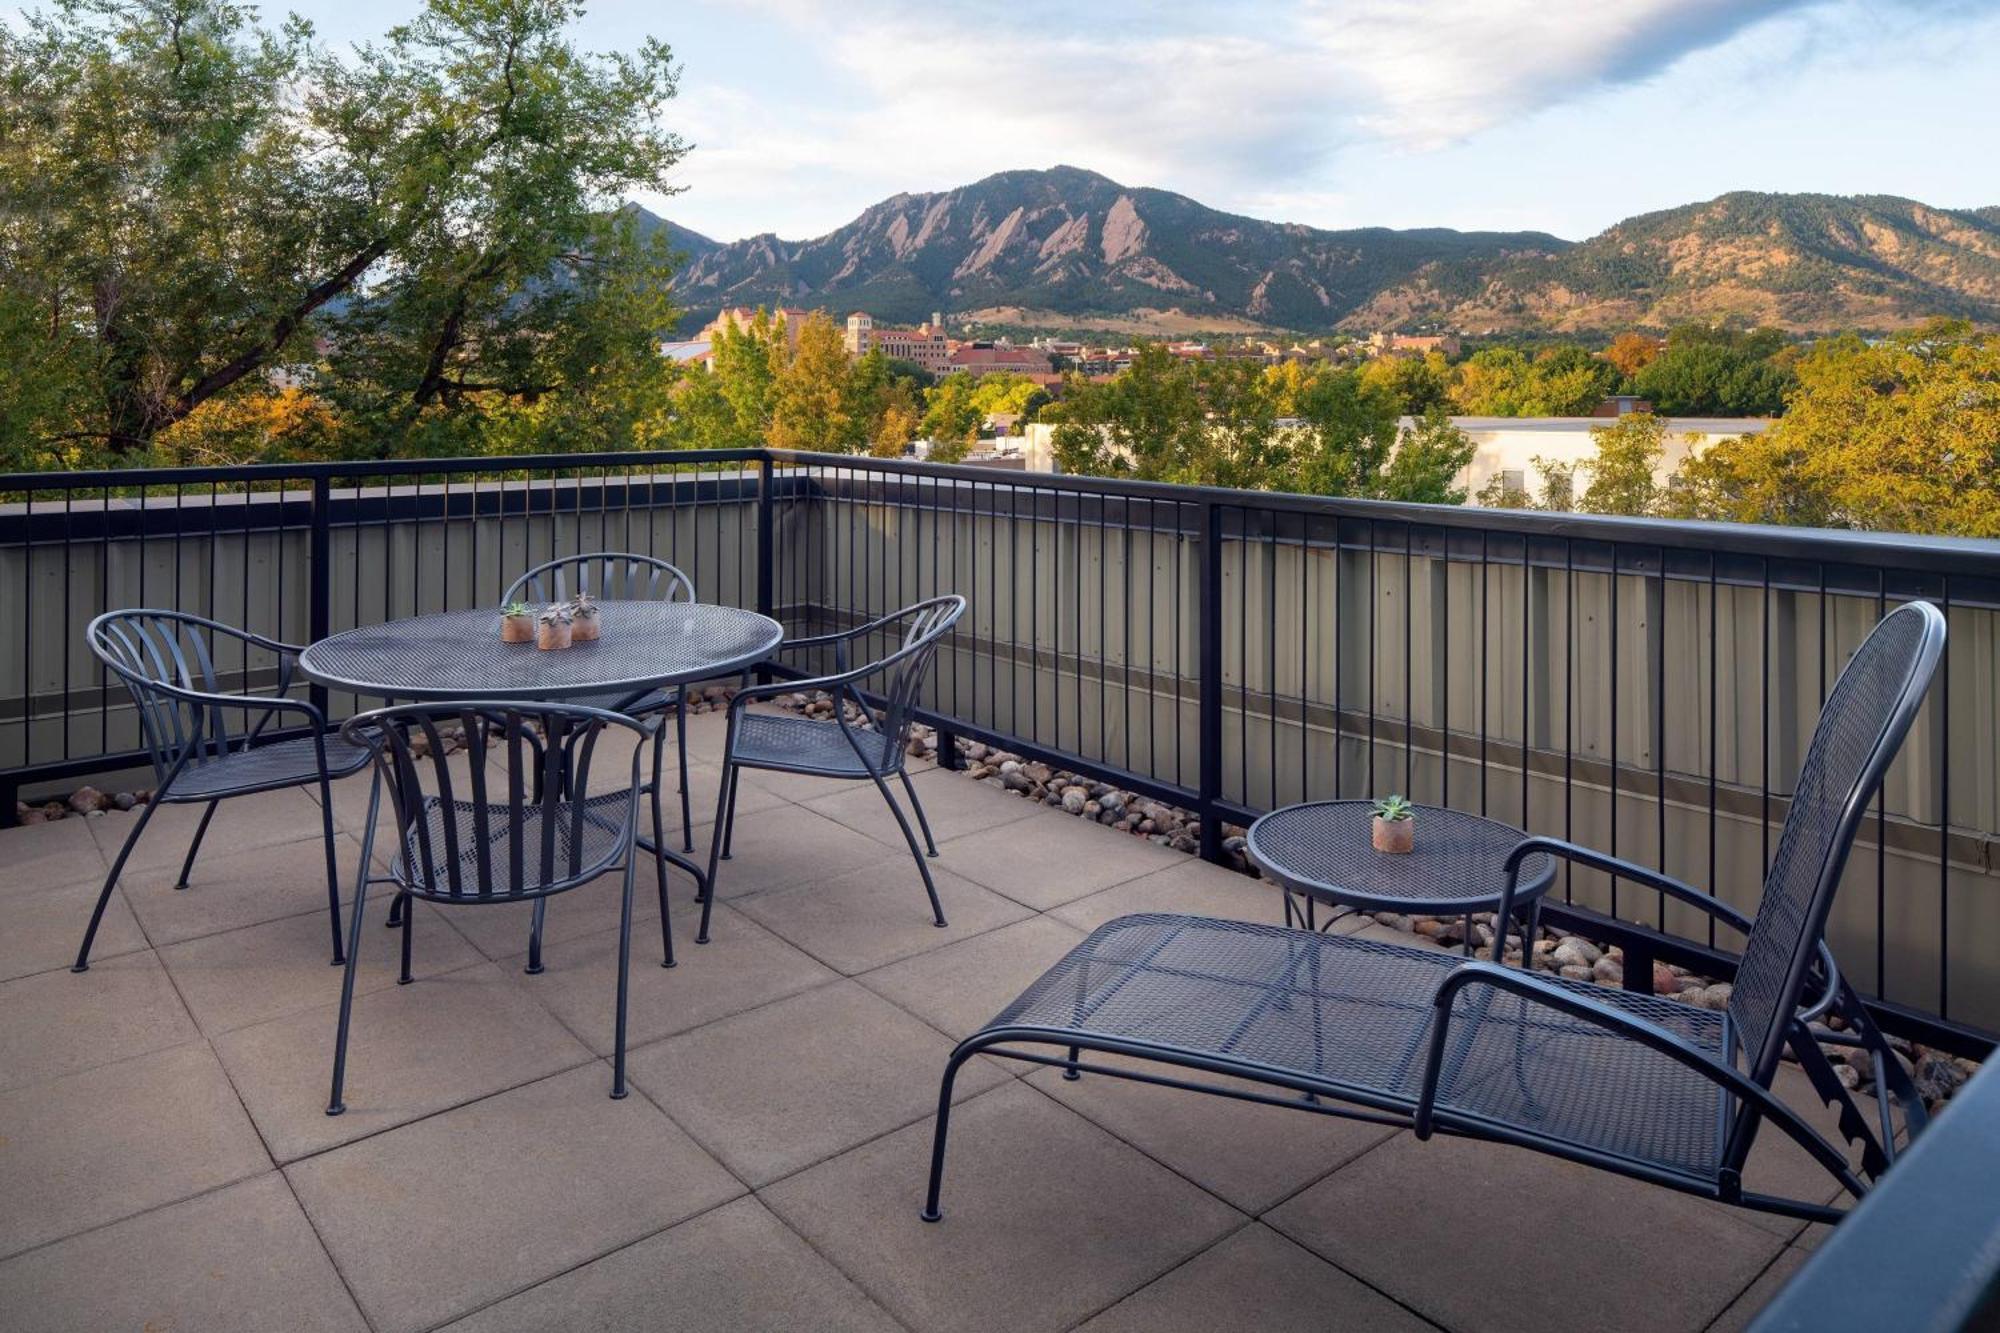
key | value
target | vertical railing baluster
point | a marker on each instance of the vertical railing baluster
(1209, 628)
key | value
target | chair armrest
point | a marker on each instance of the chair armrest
(1619, 866)
(1542, 991)
(252, 702)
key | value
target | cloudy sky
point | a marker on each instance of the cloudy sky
(1562, 115)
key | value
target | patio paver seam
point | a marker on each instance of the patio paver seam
(331, 1258)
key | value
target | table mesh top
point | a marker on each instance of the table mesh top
(459, 655)
(1458, 861)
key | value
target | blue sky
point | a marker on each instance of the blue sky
(1559, 115)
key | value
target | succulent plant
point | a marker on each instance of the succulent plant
(556, 613)
(517, 608)
(583, 604)
(1394, 807)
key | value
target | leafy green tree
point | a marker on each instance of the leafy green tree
(1620, 476)
(1494, 382)
(819, 402)
(1348, 432)
(1430, 453)
(1716, 372)
(1419, 383)
(1901, 436)
(1145, 423)
(425, 226)
(951, 418)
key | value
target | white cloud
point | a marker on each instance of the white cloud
(1241, 104)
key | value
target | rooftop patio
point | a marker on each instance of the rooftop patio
(167, 1161)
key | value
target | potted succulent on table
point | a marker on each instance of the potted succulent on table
(1394, 828)
(552, 628)
(583, 617)
(517, 623)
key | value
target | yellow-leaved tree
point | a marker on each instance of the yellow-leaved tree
(1902, 435)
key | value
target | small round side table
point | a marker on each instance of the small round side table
(1322, 852)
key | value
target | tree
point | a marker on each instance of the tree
(898, 421)
(1630, 353)
(1146, 423)
(426, 227)
(1349, 430)
(951, 420)
(1902, 436)
(1621, 473)
(818, 402)
(1419, 383)
(1430, 453)
(1716, 372)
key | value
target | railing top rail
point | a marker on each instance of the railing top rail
(1952, 555)
(350, 468)
(1908, 551)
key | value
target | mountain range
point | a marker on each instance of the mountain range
(1068, 248)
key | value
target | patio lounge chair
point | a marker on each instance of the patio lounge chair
(1646, 1087)
(838, 748)
(485, 836)
(203, 742)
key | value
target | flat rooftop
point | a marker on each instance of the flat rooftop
(165, 1160)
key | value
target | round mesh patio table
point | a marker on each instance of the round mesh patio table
(1323, 852)
(459, 655)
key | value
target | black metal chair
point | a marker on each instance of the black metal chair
(1643, 1086)
(459, 842)
(167, 663)
(839, 747)
(622, 577)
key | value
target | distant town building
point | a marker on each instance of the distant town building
(742, 316)
(925, 345)
(1505, 448)
(1622, 404)
(1384, 343)
(984, 358)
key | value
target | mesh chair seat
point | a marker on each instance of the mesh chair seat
(1353, 1017)
(291, 763)
(588, 840)
(808, 745)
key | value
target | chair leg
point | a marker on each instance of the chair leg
(729, 818)
(334, 1104)
(660, 869)
(680, 743)
(916, 853)
(82, 963)
(624, 979)
(409, 914)
(534, 967)
(922, 821)
(931, 1212)
(715, 850)
(200, 831)
(332, 868)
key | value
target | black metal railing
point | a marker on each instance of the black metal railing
(1644, 686)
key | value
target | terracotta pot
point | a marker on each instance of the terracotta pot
(584, 627)
(517, 629)
(1394, 835)
(551, 634)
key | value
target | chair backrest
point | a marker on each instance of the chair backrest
(157, 653)
(492, 832)
(1860, 727)
(917, 629)
(609, 576)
